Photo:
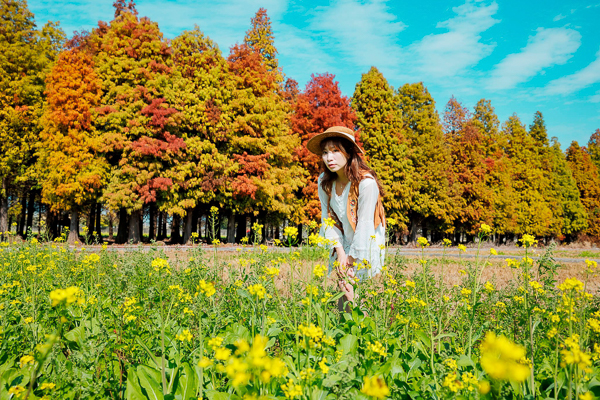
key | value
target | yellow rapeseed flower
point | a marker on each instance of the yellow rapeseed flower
(291, 390)
(462, 247)
(186, 335)
(257, 290)
(25, 360)
(319, 270)
(423, 242)
(500, 358)
(571, 284)
(208, 288)
(527, 240)
(493, 252)
(375, 386)
(485, 229)
(67, 296)
(323, 365)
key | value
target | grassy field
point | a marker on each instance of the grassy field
(164, 323)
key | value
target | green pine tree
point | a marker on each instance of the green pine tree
(432, 203)
(381, 132)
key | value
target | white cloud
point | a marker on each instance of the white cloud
(559, 17)
(581, 79)
(546, 48)
(595, 98)
(451, 53)
(365, 33)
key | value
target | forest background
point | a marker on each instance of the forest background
(122, 125)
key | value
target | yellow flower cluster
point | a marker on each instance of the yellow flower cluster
(452, 382)
(257, 290)
(319, 270)
(208, 288)
(272, 271)
(67, 296)
(129, 307)
(571, 284)
(423, 242)
(161, 265)
(500, 358)
(485, 229)
(375, 386)
(186, 335)
(377, 348)
(573, 355)
(291, 390)
(527, 240)
(291, 232)
(248, 362)
(462, 248)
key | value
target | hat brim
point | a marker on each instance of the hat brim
(314, 144)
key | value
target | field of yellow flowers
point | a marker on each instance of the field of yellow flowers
(78, 324)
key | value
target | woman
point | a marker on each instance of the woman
(350, 195)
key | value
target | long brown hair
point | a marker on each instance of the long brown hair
(356, 166)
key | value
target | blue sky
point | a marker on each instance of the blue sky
(524, 56)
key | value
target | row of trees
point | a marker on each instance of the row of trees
(125, 120)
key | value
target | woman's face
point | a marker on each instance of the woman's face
(333, 158)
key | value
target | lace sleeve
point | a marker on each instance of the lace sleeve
(364, 245)
(333, 234)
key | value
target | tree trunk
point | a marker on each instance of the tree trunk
(240, 227)
(134, 235)
(299, 234)
(91, 221)
(231, 227)
(98, 222)
(21, 227)
(159, 233)
(187, 226)
(30, 211)
(74, 228)
(175, 230)
(152, 227)
(111, 221)
(141, 222)
(414, 228)
(122, 230)
(195, 216)
(3, 208)
(164, 225)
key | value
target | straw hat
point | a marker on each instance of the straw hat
(314, 144)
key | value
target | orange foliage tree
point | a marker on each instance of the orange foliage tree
(321, 105)
(73, 172)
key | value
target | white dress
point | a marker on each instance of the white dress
(367, 242)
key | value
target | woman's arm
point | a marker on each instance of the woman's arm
(332, 234)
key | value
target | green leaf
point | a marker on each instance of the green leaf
(150, 380)
(154, 358)
(423, 337)
(186, 386)
(76, 335)
(133, 390)
(349, 344)
(464, 361)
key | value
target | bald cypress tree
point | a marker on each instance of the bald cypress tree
(432, 202)
(381, 132)
(593, 148)
(498, 178)
(570, 214)
(588, 181)
(469, 168)
(529, 182)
